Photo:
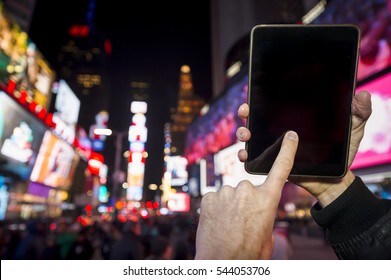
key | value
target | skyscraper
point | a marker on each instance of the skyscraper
(21, 11)
(82, 62)
(188, 107)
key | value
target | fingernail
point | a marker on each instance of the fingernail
(292, 135)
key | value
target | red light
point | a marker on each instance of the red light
(122, 218)
(148, 204)
(53, 226)
(49, 119)
(88, 208)
(11, 86)
(156, 205)
(42, 114)
(79, 30)
(108, 47)
(23, 97)
(32, 106)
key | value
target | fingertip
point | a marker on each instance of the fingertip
(292, 135)
(243, 134)
(243, 110)
(242, 155)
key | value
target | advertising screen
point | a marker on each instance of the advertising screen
(20, 137)
(67, 105)
(23, 63)
(176, 165)
(231, 169)
(179, 202)
(216, 129)
(372, 16)
(55, 164)
(375, 147)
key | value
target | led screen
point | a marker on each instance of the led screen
(67, 104)
(372, 16)
(55, 164)
(20, 137)
(231, 169)
(375, 147)
(176, 165)
(23, 63)
(217, 128)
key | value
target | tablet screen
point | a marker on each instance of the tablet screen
(302, 78)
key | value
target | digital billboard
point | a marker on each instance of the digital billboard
(67, 104)
(216, 129)
(375, 147)
(23, 63)
(373, 18)
(56, 163)
(177, 165)
(231, 169)
(20, 138)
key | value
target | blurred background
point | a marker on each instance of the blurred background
(115, 120)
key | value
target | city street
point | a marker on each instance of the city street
(310, 248)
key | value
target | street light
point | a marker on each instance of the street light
(118, 175)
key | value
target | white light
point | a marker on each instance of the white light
(103, 131)
(164, 211)
(138, 107)
(314, 12)
(290, 207)
(233, 69)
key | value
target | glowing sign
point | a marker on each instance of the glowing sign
(179, 202)
(137, 154)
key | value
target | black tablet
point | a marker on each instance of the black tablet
(302, 78)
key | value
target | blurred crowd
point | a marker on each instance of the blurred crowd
(155, 238)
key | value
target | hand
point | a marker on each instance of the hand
(325, 190)
(237, 223)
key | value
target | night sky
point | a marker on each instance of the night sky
(150, 41)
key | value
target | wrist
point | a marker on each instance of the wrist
(333, 190)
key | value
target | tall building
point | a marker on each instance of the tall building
(232, 21)
(188, 107)
(83, 63)
(21, 11)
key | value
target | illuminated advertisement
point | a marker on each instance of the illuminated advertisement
(177, 165)
(101, 122)
(55, 164)
(137, 154)
(216, 129)
(20, 137)
(375, 147)
(179, 202)
(23, 63)
(372, 17)
(4, 195)
(232, 169)
(67, 104)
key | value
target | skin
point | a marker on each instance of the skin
(325, 190)
(237, 223)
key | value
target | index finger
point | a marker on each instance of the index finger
(283, 164)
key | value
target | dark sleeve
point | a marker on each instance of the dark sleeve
(358, 223)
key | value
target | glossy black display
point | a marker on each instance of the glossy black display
(302, 78)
